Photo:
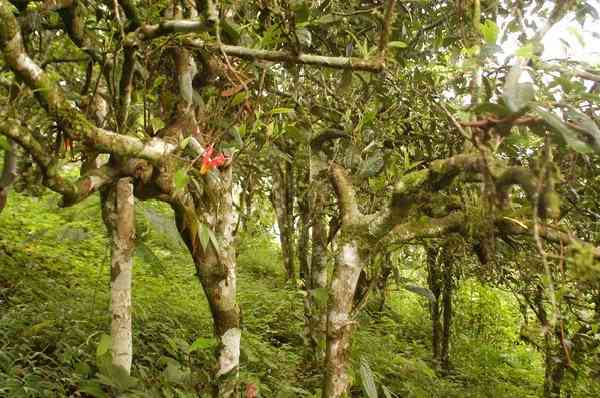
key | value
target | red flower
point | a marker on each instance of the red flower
(209, 162)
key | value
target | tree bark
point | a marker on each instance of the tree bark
(554, 364)
(119, 218)
(216, 269)
(447, 292)
(434, 281)
(339, 325)
(9, 173)
(283, 204)
(318, 275)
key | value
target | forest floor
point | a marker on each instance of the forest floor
(54, 320)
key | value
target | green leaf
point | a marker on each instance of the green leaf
(231, 29)
(4, 143)
(184, 143)
(204, 235)
(527, 51)
(181, 179)
(148, 256)
(93, 388)
(489, 31)
(279, 111)
(327, 19)
(568, 134)
(372, 165)
(174, 373)
(200, 343)
(103, 345)
(590, 127)
(239, 98)
(368, 381)
(517, 95)
(397, 44)
(157, 123)
(213, 239)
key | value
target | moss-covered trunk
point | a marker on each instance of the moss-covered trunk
(447, 293)
(215, 263)
(434, 281)
(554, 365)
(119, 217)
(9, 173)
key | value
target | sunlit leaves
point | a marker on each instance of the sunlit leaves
(517, 95)
(527, 51)
(397, 44)
(489, 31)
(103, 345)
(368, 381)
(181, 179)
(569, 135)
(200, 343)
(206, 235)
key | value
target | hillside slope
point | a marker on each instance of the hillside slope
(54, 320)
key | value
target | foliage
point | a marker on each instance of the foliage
(54, 321)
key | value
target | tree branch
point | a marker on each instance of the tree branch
(131, 13)
(68, 117)
(351, 63)
(385, 31)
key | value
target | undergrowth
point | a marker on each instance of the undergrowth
(54, 322)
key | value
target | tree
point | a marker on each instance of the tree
(423, 134)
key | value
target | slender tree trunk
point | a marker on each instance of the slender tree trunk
(339, 325)
(382, 282)
(280, 197)
(554, 365)
(119, 217)
(9, 173)
(216, 269)
(305, 209)
(447, 292)
(318, 276)
(434, 281)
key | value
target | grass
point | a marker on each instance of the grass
(54, 280)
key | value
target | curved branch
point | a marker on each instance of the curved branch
(68, 117)
(350, 214)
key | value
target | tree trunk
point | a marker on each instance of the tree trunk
(434, 281)
(318, 276)
(280, 197)
(119, 218)
(382, 281)
(305, 209)
(554, 365)
(447, 291)
(216, 269)
(9, 173)
(339, 325)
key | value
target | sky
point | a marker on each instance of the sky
(583, 46)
